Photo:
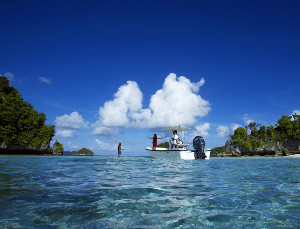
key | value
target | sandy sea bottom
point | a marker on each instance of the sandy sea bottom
(141, 192)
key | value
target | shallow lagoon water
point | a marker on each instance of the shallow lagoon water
(141, 192)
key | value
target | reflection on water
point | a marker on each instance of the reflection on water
(141, 192)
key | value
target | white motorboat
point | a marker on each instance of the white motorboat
(181, 150)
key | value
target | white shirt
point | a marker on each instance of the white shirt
(175, 138)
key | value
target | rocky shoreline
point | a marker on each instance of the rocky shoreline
(18, 150)
(270, 149)
(24, 152)
(254, 154)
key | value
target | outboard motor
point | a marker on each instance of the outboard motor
(199, 144)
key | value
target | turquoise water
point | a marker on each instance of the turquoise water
(141, 192)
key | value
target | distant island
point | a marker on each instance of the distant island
(82, 152)
(281, 140)
(22, 129)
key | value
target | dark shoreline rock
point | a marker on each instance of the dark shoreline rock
(18, 150)
(24, 152)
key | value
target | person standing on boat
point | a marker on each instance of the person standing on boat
(119, 150)
(154, 140)
(175, 139)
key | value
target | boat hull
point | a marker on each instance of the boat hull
(174, 153)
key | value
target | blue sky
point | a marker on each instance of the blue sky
(110, 71)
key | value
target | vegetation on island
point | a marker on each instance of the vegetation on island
(265, 138)
(217, 150)
(20, 124)
(83, 151)
(163, 145)
(287, 127)
(57, 148)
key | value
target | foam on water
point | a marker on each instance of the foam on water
(141, 192)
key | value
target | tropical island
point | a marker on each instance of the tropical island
(283, 139)
(82, 152)
(22, 129)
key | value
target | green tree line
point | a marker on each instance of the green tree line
(254, 135)
(217, 150)
(83, 151)
(20, 124)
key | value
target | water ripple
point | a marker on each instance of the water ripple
(108, 192)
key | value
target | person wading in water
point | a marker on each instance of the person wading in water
(119, 150)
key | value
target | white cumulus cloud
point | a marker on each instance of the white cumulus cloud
(234, 126)
(102, 130)
(223, 131)
(297, 112)
(202, 130)
(127, 100)
(67, 125)
(247, 120)
(72, 121)
(44, 80)
(65, 133)
(177, 103)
